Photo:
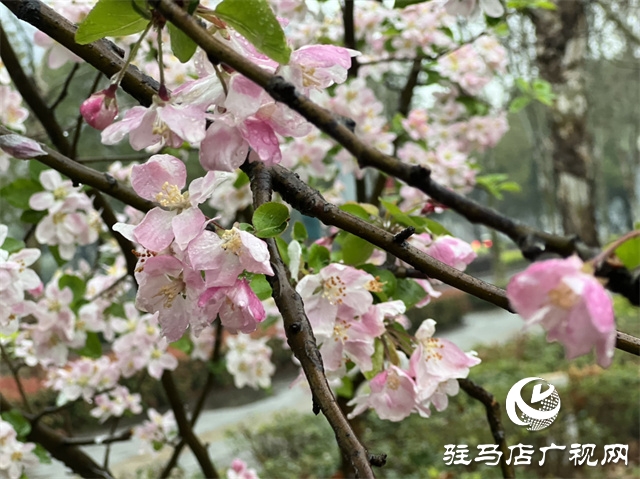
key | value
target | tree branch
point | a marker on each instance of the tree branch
(186, 431)
(495, 422)
(103, 54)
(72, 456)
(532, 242)
(301, 339)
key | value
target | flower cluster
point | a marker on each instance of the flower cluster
(16, 457)
(187, 273)
(249, 361)
(16, 278)
(71, 219)
(158, 431)
(429, 378)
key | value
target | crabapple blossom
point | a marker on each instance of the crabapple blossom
(178, 217)
(171, 288)
(249, 361)
(392, 395)
(16, 457)
(452, 251)
(564, 297)
(12, 114)
(158, 431)
(115, 403)
(240, 470)
(20, 147)
(100, 109)
(336, 291)
(468, 8)
(239, 308)
(85, 377)
(228, 255)
(435, 362)
(166, 122)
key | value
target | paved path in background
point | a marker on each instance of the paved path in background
(486, 327)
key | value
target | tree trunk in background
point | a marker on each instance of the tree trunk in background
(561, 48)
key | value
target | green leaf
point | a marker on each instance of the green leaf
(55, 252)
(356, 250)
(11, 245)
(32, 217)
(406, 3)
(629, 253)
(356, 210)
(35, 168)
(377, 360)
(21, 425)
(241, 180)
(42, 454)
(319, 257)
(246, 227)
(398, 215)
(18, 192)
(183, 344)
(432, 226)
(409, 292)
(255, 21)
(283, 249)
(261, 286)
(92, 348)
(299, 232)
(519, 103)
(181, 45)
(77, 286)
(110, 18)
(270, 219)
(345, 389)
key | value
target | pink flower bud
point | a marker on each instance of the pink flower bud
(100, 109)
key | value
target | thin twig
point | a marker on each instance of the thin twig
(495, 422)
(65, 87)
(16, 378)
(99, 440)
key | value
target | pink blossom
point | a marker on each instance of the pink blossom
(318, 66)
(100, 109)
(565, 298)
(337, 290)
(164, 123)
(228, 255)
(435, 362)
(12, 114)
(239, 308)
(240, 470)
(467, 8)
(393, 396)
(161, 179)
(171, 288)
(452, 251)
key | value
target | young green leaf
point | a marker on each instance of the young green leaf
(18, 192)
(255, 21)
(18, 422)
(110, 18)
(629, 253)
(270, 219)
(355, 250)
(92, 348)
(181, 45)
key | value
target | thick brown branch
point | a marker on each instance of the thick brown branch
(103, 55)
(495, 422)
(72, 456)
(301, 339)
(90, 177)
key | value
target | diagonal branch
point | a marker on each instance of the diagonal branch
(72, 456)
(532, 242)
(301, 339)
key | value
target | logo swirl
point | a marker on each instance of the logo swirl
(535, 419)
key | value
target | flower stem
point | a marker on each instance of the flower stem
(609, 250)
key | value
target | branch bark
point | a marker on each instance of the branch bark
(301, 339)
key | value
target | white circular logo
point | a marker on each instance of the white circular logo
(537, 419)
